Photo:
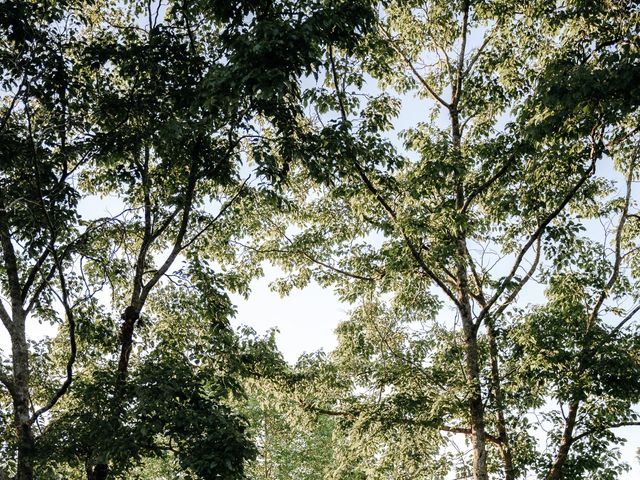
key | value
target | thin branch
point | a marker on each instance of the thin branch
(457, 89)
(522, 282)
(166, 223)
(182, 230)
(604, 428)
(477, 53)
(622, 138)
(479, 295)
(337, 269)
(618, 249)
(325, 411)
(222, 211)
(147, 240)
(58, 262)
(417, 74)
(486, 185)
(616, 329)
(339, 93)
(535, 237)
(467, 431)
(415, 252)
(33, 273)
(14, 100)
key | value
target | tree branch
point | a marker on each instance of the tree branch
(417, 74)
(618, 248)
(486, 185)
(467, 431)
(603, 428)
(7, 382)
(211, 222)
(33, 273)
(457, 88)
(182, 230)
(534, 238)
(6, 318)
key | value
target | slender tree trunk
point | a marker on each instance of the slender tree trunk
(505, 446)
(472, 368)
(20, 354)
(21, 410)
(129, 319)
(476, 409)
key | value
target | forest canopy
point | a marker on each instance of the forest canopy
(462, 174)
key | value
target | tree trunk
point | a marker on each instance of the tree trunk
(129, 319)
(565, 444)
(21, 410)
(19, 353)
(476, 409)
(505, 446)
(472, 369)
(97, 472)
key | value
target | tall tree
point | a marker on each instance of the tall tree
(522, 103)
(44, 146)
(153, 105)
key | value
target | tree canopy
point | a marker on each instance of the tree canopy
(462, 173)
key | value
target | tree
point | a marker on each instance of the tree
(292, 443)
(533, 97)
(155, 104)
(43, 146)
